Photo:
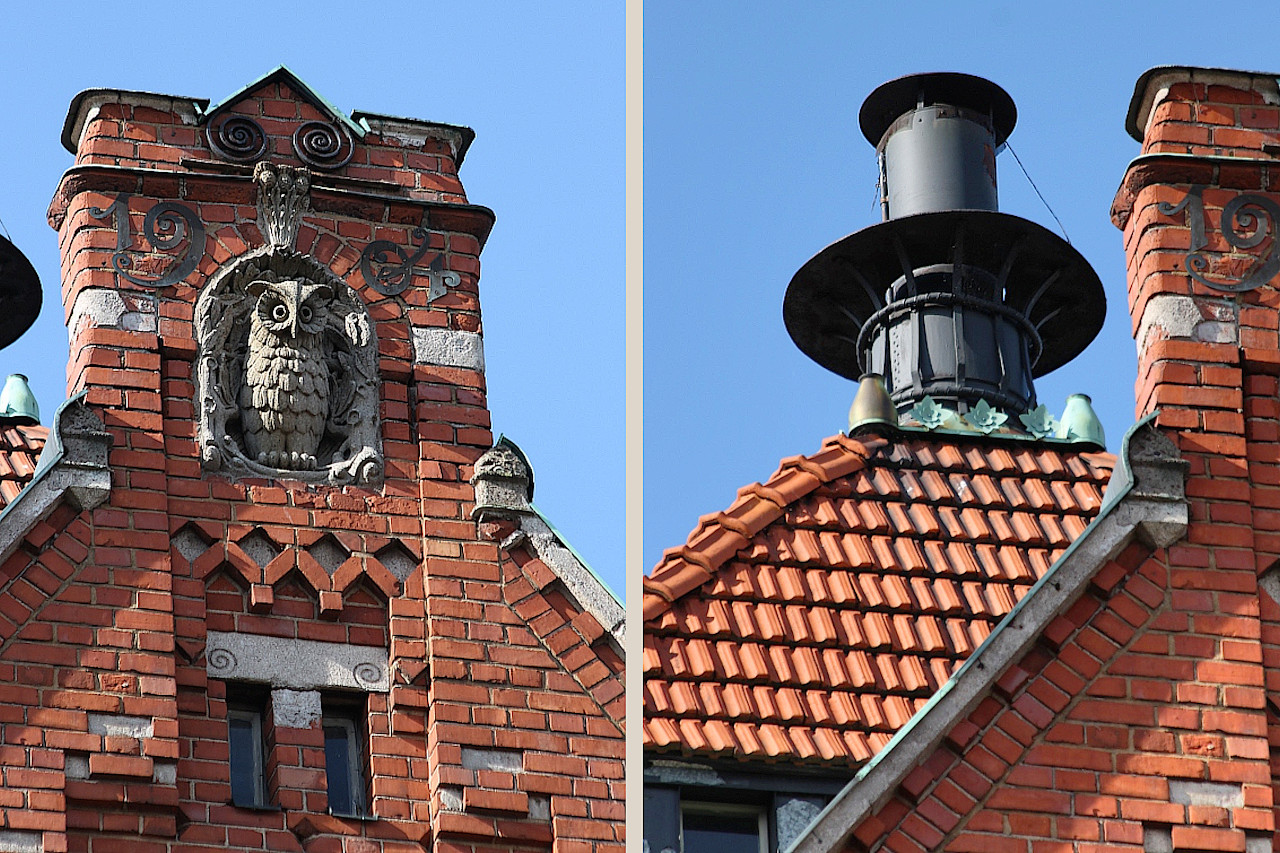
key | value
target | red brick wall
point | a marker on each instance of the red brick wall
(101, 612)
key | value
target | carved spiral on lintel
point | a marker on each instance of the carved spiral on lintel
(322, 145)
(367, 673)
(237, 138)
(222, 660)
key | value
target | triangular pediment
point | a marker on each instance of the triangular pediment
(267, 85)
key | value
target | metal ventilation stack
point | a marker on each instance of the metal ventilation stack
(947, 297)
(20, 295)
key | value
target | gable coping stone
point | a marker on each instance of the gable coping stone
(73, 466)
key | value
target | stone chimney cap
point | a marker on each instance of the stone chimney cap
(1146, 92)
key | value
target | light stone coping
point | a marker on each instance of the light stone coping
(1196, 793)
(1145, 501)
(587, 589)
(98, 306)
(1159, 84)
(89, 103)
(296, 709)
(121, 725)
(506, 760)
(296, 664)
(449, 348)
(21, 841)
(502, 489)
(73, 467)
(413, 134)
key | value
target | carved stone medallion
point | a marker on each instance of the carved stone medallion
(286, 369)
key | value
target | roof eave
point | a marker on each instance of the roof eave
(1146, 501)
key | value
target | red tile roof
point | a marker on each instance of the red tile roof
(20, 448)
(813, 617)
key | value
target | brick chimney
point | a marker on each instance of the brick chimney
(273, 309)
(1200, 210)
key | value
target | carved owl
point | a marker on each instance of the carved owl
(284, 401)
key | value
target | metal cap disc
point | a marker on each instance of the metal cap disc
(838, 289)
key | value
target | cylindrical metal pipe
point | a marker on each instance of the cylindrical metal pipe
(939, 157)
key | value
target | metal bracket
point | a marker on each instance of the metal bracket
(389, 279)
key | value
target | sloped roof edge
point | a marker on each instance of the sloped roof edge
(502, 479)
(719, 536)
(1146, 501)
(73, 466)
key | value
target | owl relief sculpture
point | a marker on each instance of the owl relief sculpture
(284, 402)
(287, 361)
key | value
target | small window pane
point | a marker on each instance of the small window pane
(730, 831)
(244, 730)
(344, 766)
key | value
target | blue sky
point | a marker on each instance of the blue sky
(541, 84)
(753, 162)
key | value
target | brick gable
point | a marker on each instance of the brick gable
(487, 703)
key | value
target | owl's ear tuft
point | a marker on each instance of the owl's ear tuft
(256, 288)
(324, 291)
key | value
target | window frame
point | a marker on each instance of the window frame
(253, 713)
(713, 809)
(343, 713)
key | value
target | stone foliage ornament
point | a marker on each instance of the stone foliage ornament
(286, 370)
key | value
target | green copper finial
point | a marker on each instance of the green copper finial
(1080, 423)
(17, 403)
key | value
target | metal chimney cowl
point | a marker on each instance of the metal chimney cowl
(947, 297)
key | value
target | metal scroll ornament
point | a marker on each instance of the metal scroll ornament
(164, 227)
(322, 145)
(237, 138)
(1247, 221)
(390, 277)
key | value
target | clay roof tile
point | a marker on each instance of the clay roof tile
(720, 736)
(809, 620)
(925, 520)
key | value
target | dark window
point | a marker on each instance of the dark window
(344, 761)
(722, 828)
(244, 735)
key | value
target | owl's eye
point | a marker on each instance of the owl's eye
(305, 313)
(280, 312)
